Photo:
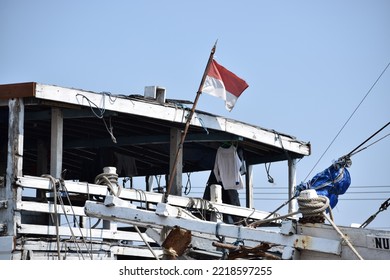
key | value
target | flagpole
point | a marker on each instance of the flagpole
(184, 133)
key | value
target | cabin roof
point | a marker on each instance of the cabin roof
(141, 130)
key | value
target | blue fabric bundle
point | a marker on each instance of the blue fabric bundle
(331, 182)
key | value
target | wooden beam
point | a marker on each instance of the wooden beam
(175, 136)
(142, 196)
(81, 232)
(292, 181)
(137, 216)
(149, 140)
(57, 127)
(46, 250)
(8, 217)
(17, 90)
(249, 185)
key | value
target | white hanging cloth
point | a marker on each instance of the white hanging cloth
(227, 168)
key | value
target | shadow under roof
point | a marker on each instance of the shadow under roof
(98, 125)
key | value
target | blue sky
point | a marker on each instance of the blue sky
(308, 65)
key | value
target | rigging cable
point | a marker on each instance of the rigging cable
(355, 151)
(383, 207)
(334, 139)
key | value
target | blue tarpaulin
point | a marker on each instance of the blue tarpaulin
(331, 182)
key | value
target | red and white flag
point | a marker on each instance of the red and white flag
(224, 84)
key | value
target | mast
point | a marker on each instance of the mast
(184, 133)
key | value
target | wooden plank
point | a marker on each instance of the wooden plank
(46, 256)
(48, 251)
(365, 241)
(141, 196)
(10, 193)
(82, 232)
(136, 216)
(8, 91)
(176, 162)
(7, 245)
(49, 208)
(292, 182)
(249, 185)
(56, 144)
(42, 245)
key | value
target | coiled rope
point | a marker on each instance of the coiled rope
(310, 207)
(111, 181)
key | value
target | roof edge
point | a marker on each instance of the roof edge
(17, 90)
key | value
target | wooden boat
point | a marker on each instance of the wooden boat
(70, 160)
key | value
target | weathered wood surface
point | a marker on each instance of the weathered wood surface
(144, 217)
(140, 196)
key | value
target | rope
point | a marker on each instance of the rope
(89, 222)
(54, 187)
(73, 237)
(310, 207)
(221, 240)
(64, 189)
(146, 243)
(101, 111)
(170, 253)
(344, 238)
(205, 206)
(58, 198)
(142, 197)
(270, 179)
(188, 186)
(245, 220)
(109, 179)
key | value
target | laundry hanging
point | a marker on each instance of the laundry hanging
(227, 168)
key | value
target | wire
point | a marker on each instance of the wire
(101, 111)
(353, 153)
(334, 139)
(188, 186)
(56, 220)
(270, 179)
